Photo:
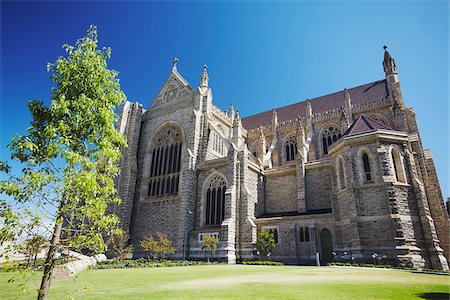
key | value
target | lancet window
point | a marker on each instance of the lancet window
(291, 148)
(397, 163)
(366, 164)
(215, 201)
(304, 234)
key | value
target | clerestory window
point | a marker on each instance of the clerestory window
(329, 136)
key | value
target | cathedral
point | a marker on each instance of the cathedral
(343, 174)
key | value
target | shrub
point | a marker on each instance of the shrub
(263, 263)
(159, 247)
(265, 243)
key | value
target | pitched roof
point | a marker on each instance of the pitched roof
(365, 124)
(361, 94)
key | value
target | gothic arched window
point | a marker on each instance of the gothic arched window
(166, 162)
(304, 234)
(215, 201)
(291, 148)
(329, 136)
(397, 163)
(366, 164)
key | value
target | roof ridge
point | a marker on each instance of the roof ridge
(310, 99)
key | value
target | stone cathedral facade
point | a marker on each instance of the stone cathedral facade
(344, 173)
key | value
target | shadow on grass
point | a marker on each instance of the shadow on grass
(445, 296)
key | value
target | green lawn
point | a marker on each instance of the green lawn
(239, 282)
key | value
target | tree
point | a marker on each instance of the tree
(71, 151)
(159, 247)
(209, 242)
(118, 245)
(33, 246)
(265, 243)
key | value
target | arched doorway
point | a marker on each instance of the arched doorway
(326, 245)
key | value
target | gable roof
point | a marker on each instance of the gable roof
(365, 124)
(361, 94)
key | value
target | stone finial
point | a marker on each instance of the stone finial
(237, 120)
(348, 105)
(389, 66)
(308, 109)
(274, 117)
(174, 62)
(204, 78)
(231, 111)
(346, 95)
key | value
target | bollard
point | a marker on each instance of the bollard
(318, 259)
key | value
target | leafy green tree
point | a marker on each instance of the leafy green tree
(209, 243)
(265, 243)
(158, 247)
(33, 246)
(71, 152)
(118, 245)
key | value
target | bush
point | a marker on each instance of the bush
(263, 263)
(144, 263)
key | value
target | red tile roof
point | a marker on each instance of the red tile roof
(364, 124)
(361, 94)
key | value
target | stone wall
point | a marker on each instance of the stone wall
(165, 214)
(318, 187)
(281, 192)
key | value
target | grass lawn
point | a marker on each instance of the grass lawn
(239, 282)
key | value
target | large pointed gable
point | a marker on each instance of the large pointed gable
(361, 94)
(180, 88)
(364, 124)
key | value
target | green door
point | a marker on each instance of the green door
(326, 246)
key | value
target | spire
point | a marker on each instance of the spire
(174, 62)
(204, 78)
(389, 66)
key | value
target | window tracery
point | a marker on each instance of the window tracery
(215, 201)
(329, 136)
(291, 148)
(166, 162)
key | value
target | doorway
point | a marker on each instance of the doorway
(326, 245)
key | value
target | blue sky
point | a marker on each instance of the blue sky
(260, 55)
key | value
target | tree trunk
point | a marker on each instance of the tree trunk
(50, 261)
(34, 261)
